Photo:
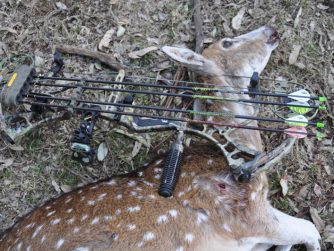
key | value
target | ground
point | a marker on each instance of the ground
(302, 184)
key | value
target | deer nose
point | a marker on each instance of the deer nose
(271, 34)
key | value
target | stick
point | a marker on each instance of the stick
(198, 26)
(102, 57)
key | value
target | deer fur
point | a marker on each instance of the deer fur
(209, 210)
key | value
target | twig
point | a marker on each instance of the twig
(198, 26)
(102, 57)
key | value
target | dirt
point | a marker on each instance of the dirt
(42, 168)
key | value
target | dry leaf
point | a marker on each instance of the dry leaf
(322, 7)
(106, 39)
(102, 151)
(329, 234)
(3, 48)
(294, 54)
(136, 149)
(120, 31)
(61, 6)
(284, 184)
(55, 185)
(296, 22)
(236, 21)
(140, 53)
(318, 222)
(66, 188)
(8, 29)
(16, 148)
(317, 190)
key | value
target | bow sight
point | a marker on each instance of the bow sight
(23, 86)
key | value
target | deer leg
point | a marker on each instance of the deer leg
(290, 230)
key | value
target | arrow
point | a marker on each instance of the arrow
(298, 120)
(300, 95)
(77, 108)
(239, 100)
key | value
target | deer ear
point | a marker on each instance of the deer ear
(193, 61)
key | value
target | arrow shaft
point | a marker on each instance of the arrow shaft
(185, 88)
(280, 130)
(221, 114)
(174, 95)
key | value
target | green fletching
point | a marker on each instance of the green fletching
(322, 107)
(322, 99)
(320, 124)
(296, 123)
(299, 110)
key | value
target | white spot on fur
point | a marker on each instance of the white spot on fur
(152, 196)
(51, 213)
(119, 196)
(38, 229)
(55, 222)
(80, 191)
(19, 246)
(84, 217)
(132, 183)
(81, 249)
(31, 225)
(82, 198)
(68, 200)
(95, 220)
(108, 217)
(48, 207)
(29, 248)
(173, 213)
(101, 196)
(148, 183)
(70, 221)
(111, 183)
(157, 176)
(189, 237)
(59, 243)
(201, 218)
(140, 244)
(118, 211)
(131, 227)
(91, 202)
(180, 194)
(157, 170)
(253, 195)
(43, 239)
(133, 193)
(69, 210)
(185, 202)
(148, 236)
(76, 230)
(227, 228)
(162, 219)
(158, 162)
(93, 187)
(210, 161)
(184, 174)
(133, 209)
(140, 174)
(179, 248)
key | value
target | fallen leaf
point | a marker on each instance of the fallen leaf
(318, 222)
(16, 148)
(284, 184)
(322, 7)
(61, 6)
(6, 163)
(296, 22)
(236, 21)
(317, 190)
(140, 53)
(329, 234)
(106, 39)
(136, 149)
(102, 151)
(66, 188)
(8, 29)
(55, 185)
(294, 54)
(120, 31)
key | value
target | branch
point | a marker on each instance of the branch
(102, 57)
(198, 26)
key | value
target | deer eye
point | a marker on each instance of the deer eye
(227, 43)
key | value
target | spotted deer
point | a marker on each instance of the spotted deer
(209, 210)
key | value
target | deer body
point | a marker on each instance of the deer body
(209, 209)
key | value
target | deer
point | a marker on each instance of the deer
(209, 209)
